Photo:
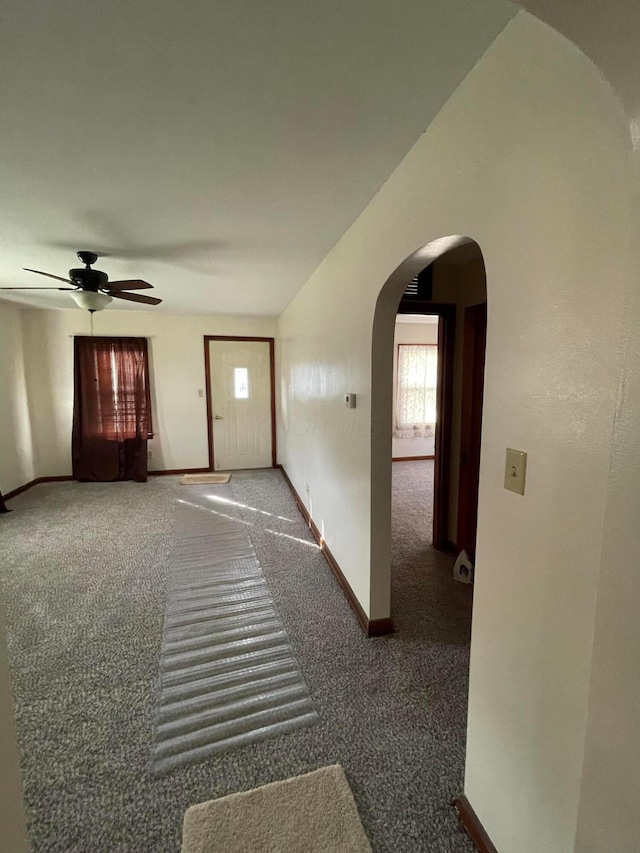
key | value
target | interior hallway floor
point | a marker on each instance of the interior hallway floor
(83, 577)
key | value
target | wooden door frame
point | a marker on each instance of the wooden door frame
(446, 314)
(272, 378)
(473, 364)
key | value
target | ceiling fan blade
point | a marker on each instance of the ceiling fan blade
(39, 288)
(131, 284)
(49, 275)
(135, 297)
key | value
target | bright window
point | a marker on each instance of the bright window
(241, 383)
(417, 381)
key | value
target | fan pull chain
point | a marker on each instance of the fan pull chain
(91, 315)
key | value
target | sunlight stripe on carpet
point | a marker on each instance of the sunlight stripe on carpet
(228, 675)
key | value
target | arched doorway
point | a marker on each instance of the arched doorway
(459, 297)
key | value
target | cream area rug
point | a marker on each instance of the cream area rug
(314, 813)
(204, 479)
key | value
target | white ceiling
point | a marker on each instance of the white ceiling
(216, 149)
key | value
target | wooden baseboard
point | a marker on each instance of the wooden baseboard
(474, 829)
(68, 478)
(170, 471)
(207, 470)
(380, 627)
(21, 489)
(411, 458)
(371, 627)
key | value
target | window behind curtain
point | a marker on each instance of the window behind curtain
(112, 408)
(114, 379)
(417, 381)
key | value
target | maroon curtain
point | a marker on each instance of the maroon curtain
(111, 409)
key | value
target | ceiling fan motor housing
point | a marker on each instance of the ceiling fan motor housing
(89, 279)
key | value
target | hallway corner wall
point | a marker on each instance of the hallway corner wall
(529, 158)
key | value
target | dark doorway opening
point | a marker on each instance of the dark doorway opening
(457, 296)
(475, 339)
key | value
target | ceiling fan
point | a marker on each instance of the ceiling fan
(92, 289)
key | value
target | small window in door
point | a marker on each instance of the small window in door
(241, 383)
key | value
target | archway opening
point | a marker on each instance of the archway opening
(455, 294)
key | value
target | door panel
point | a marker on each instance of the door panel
(240, 373)
(444, 414)
(475, 338)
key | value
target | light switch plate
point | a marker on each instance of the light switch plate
(515, 470)
(350, 401)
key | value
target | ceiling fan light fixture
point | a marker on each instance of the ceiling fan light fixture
(92, 290)
(90, 300)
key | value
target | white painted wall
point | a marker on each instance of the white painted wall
(609, 818)
(16, 469)
(177, 374)
(530, 157)
(16, 452)
(411, 333)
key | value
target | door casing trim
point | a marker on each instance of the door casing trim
(207, 382)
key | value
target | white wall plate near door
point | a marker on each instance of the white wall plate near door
(515, 470)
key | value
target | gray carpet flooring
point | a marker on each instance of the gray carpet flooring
(84, 575)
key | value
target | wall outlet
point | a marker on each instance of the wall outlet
(149, 454)
(200, 392)
(350, 401)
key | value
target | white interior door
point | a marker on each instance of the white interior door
(240, 404)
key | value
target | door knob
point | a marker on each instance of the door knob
(218, 418)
